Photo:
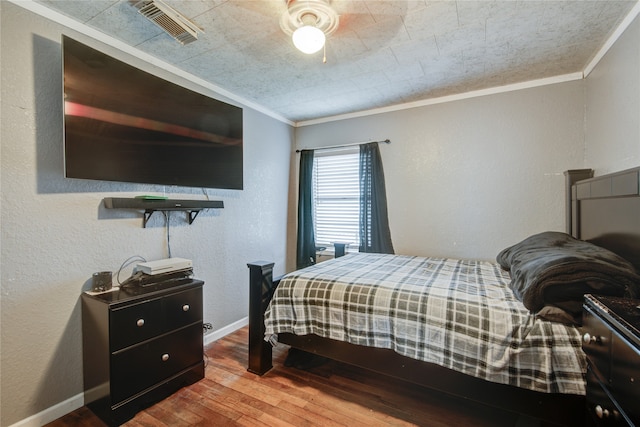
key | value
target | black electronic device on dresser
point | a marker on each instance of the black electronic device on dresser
(140, 345)
(611, 342)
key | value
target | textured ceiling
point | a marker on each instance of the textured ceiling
(384, 52)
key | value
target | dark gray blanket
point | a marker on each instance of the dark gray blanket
(553, 268)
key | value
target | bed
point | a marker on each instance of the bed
(481, 330)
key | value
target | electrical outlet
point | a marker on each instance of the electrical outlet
(207, 327)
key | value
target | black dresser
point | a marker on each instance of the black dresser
(140, 345)
(611, 342)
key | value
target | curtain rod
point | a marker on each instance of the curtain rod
(386, 141)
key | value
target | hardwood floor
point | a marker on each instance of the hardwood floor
(333, 394)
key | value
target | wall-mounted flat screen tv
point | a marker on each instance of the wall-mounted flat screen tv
(124, 124)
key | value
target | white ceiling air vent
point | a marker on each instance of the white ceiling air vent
(173, 22)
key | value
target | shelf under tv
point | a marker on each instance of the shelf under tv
(192, 207)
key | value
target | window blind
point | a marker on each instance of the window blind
(336, 195)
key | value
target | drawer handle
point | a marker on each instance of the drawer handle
(587, 338)
(165, 357)
(601, 412)
(185, 307)
(140, 322)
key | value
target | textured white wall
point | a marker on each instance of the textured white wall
(613, 106)
(55, 231)
(467, 178)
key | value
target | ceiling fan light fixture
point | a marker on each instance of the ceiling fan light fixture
(308, 39)
(309, 23)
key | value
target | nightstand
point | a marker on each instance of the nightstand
(140, 345)
(611, 342)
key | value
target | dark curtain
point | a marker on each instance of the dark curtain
(306, 247)
(375, 235)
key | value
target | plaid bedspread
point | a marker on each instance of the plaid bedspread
(459, 314)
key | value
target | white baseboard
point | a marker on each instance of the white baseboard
(52, 413)
(63, 408)
(222, 332)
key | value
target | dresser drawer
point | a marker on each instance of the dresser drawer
(140, 367)
(625, 376)
(597, 343)
(182, 308)
(601, 409)
(135, 323)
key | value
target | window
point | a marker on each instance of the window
(336, 196)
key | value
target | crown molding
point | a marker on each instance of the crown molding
(44, 11)
(611, 40)
(449, 98)
(72, 24)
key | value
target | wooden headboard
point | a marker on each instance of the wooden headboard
(605, 210)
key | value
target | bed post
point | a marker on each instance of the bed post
(571, 177)
(260, 292)
(340, 249)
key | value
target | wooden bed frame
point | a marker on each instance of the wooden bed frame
(604, 210)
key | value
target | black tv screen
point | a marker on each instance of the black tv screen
(124, 124)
